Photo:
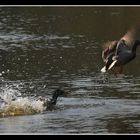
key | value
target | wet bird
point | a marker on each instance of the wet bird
(24, 106)
(118, 53)
(50, 103)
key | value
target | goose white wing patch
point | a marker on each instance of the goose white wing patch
(112, 64)
(110, 67)
(103, 69)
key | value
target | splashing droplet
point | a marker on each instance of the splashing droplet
(14, 104)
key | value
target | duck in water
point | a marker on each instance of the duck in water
(25, 106)
(50, 103)
(116, 54)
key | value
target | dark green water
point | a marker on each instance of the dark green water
(44, 48)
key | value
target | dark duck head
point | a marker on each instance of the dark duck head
(52, 102)
(117, 54)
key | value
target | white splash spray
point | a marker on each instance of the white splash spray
(13, 103)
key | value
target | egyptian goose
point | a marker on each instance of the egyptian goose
(118, 53)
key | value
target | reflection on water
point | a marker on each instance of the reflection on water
(42, 49)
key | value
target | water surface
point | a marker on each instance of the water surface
(45, 48)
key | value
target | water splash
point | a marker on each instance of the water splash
(13, 104)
